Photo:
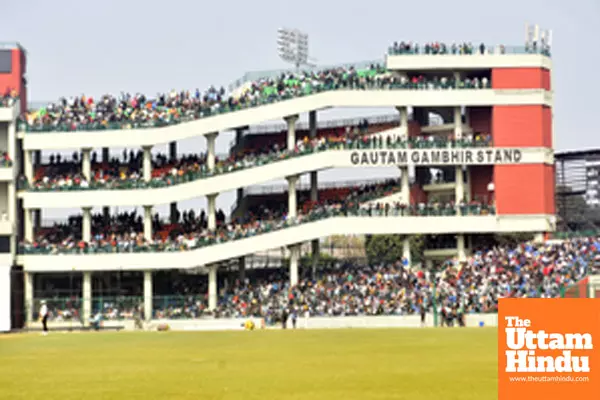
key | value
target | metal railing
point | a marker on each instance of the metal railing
(475, 50)
(302, 186)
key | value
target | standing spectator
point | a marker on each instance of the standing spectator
(284, 317)
(44, 317)
(294, 316)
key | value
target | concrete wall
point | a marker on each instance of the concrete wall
(421, 62)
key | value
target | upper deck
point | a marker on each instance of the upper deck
(492, 57)
(261, 113)
(266, 98)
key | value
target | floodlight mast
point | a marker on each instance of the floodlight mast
(292, 46)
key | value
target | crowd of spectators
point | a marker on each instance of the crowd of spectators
(126, 173)
(5, 160)
(124, 233)
(436, 48)
(454, 288)
(466, 48)
(139, 111)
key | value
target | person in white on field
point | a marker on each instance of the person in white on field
(44, 317)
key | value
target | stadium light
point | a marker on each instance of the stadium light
(292, 46)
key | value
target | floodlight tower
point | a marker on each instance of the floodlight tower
(292, 46)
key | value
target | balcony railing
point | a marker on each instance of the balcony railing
(350, 210)
(474, 50)
(201, 171)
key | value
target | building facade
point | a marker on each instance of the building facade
(486, 167)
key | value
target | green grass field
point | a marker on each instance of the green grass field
(421, 364)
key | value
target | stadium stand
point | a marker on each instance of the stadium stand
(474, 286)
(475, 171)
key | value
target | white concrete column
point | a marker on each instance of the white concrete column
(28, 224)
(212, 211)
(457, 77)
(429, 264)
(12, 143)
(460, 247)
(404, 185)
(403, 122)
(406, 249)
(294, 258)
(148, 223)
(28, 165)
(5, 297)
(539, 237)
(467, 117)
(458, 127)
(12, 205)
(86, 226)
(147, 166)
(212, 287)
(86, 163)
(148, 293)
(87, 297)
(28, 276)
(291, 134)
(459, 188)
(210, 150)
(292, 201)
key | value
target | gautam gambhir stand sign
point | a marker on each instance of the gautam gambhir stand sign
(437, 157)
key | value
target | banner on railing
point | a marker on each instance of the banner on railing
(436, 157)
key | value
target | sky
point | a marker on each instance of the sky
(78, 47)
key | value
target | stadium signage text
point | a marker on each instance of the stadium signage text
(436, 156)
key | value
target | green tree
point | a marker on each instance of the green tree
(389, 248)
(512, 239)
